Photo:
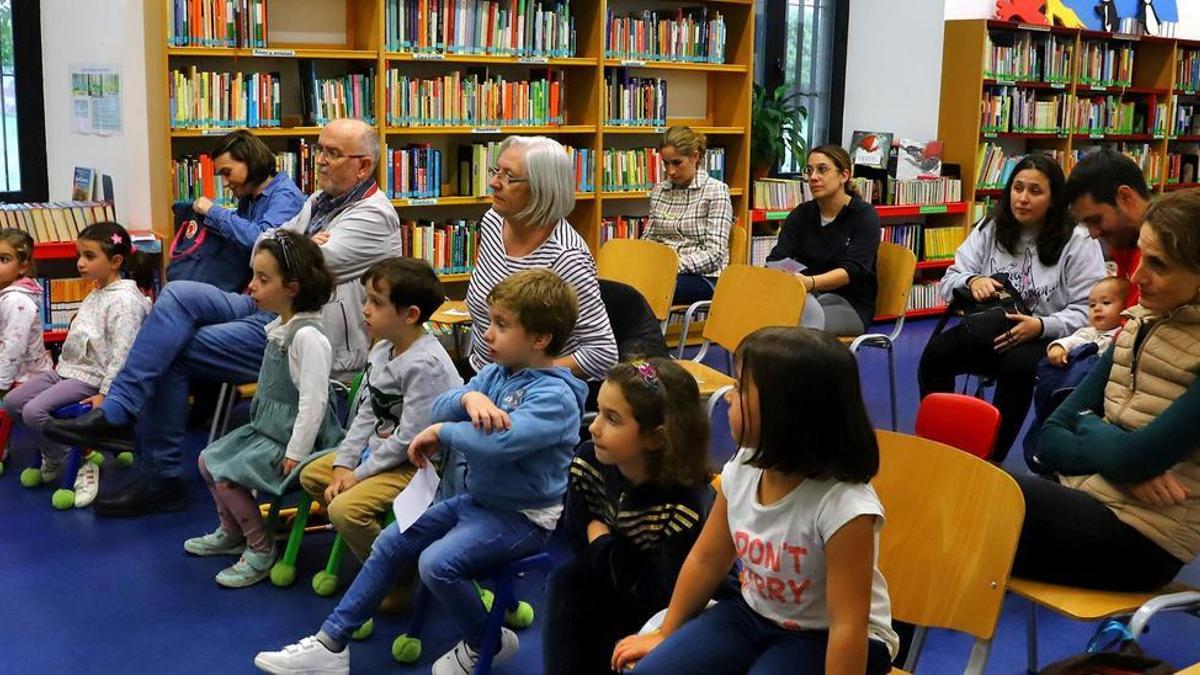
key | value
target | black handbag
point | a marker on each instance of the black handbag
(983, 321)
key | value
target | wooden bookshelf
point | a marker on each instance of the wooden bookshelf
(964, 82)
(724, 104)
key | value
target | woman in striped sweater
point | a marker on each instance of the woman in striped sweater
(526, 228)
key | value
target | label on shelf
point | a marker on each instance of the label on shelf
(932, 208)
(428, 56)
(1007, 83)
(989, 134)
(259, 51)
(1057, 85)
(1095, 135)
(422, 201)
(485, 130)
(660, 130)
(632, 62)
(214, 132)
(534, 59)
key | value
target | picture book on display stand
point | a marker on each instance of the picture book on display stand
(871, 148)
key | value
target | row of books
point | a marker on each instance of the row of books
(1187, 120)
(221, 99)
(475, 160)
(631, 170)
(299, 162)
(995, 167)
(475, 99)
(1028, 57)
(350, 95)
(533, 29)
(926, 295)
(924, 191)
(781, 194)
(55, 221)
(1142, 154)
(1182, 167)
(413, 171)
(907, 235)
(1024, 110)
(760, 248)
(623, 227)
(634, 101)
(1106, 64)
(193, 176)
(866, 188)
(1111, 115)
(1187, 69)
(61, 299)
(687, 34)
(217, 23)
(449, 246)
(926, 243)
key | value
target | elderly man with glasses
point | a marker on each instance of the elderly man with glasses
(196, 331)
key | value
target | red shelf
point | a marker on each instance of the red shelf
(921, 210)
(1026, 84)
(989, 192)
(935, 264)
(54, 335)
(1140, 138)
(1029, 135)
(1171, 187)
(765, 215)
(1083, 89)
(54, 250)
(1186, 138)
(913, 314)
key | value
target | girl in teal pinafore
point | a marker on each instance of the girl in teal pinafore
(289, 417)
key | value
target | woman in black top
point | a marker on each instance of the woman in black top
(835, 237)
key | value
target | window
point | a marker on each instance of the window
(806, 52)
(23, 136)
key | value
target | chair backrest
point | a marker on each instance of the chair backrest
(952, 523)
(748, 298)
(964, 422)
(894, 268)
(739, 244)
(646, 265)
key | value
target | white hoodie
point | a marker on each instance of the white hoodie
(22, 348)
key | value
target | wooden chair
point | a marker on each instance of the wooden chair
(648, 266)
(947, 548)
(1084, 604)
(746, 298)
(1193, 669)
(894, 268)
(964, 422)
(739, 254)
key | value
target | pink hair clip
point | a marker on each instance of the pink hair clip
(117, 239)
(647, 371)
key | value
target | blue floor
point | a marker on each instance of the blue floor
(90, 595)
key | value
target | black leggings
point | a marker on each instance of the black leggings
(948, 355)
(1071, 538)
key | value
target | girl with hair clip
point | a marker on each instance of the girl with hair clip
(289, 416)
(636, 501)
(795, 507)
(98, 340)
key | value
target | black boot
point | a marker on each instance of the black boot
(143, 496)
(91, 430)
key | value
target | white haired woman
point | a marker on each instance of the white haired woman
(532, 192)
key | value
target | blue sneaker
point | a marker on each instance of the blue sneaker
(218, 542)
(251, 568)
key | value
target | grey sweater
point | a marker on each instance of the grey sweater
(393, 404)
(1057, 294)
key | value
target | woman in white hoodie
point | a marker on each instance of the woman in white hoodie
(1030, 241)
(22, 350)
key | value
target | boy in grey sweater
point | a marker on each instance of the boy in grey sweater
(406, 370)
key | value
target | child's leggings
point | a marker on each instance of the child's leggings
(238, 510)
(32, 402)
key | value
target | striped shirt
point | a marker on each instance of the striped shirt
(693, 220)
(565, 253)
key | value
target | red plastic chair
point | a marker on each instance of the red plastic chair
(964, 422)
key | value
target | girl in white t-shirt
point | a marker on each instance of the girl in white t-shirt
(794, 508)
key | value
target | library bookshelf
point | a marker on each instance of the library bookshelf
(1152, 90)
(713, 98)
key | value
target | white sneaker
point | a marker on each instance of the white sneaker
(87, 484)
(306, 657)
(462, 659)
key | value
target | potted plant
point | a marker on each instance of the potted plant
(776, 121)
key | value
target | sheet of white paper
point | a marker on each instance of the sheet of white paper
(458, 312)
(416, 497)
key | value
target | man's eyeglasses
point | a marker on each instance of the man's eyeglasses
(332, 154)
(505, 177)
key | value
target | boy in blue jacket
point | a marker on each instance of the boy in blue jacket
(514, 426)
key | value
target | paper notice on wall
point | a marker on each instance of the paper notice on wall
(96, 99)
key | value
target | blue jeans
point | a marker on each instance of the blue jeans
(194, 331)
(732, 638)
(453, 542)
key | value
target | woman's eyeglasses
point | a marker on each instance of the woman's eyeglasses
(820, 170)
(494, 172)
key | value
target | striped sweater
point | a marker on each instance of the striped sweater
(564, 251)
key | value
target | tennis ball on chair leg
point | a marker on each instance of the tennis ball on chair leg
(364, 631)
(283, 574)
(324, 584)
(31, 477)
(63, 499)
(96, 457)
(125, 459)
(406, 649)
(521, 617)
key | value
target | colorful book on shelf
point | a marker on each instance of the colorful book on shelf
(918, 159)
(61, 299)
(926, 296)
(1105, 64)
(907, 235)
(623, 227)
(687, 34)
(924, 191)
(871, 148)
(203, 99)
(779, 194)
(940, 243)
(449, 247)
(634, 101)
(631, 170)
(217, 23)
(522, 29)
(55, 221)
(475, 99)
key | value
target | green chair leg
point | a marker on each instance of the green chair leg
(325, 582)
(283, 573)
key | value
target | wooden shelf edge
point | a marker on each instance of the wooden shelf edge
(482, 130)
(677, 65)
(708, 131)
(275, 53)
(458, 200)
(216, 132)
(568, 61)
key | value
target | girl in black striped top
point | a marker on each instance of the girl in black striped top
(637, 498)
(526, 228)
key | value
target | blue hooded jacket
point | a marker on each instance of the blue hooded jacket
(524, 467)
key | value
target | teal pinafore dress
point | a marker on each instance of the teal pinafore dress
(252, 455)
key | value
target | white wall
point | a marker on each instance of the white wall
(893, 67)
(98, 31)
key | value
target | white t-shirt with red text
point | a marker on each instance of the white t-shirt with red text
(782, 547)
